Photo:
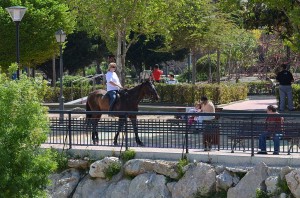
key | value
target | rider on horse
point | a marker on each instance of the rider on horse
(113, 84)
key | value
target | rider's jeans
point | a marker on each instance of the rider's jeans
(112, 98)
(263, 139)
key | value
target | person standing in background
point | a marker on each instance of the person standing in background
(156, 73)
(285, 79)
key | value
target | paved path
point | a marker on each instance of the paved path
(255, 103)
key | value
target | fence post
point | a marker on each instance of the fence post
(126, 132)
(186, 134)
(69, 129)
(252, 137)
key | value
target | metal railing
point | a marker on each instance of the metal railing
(235, 132)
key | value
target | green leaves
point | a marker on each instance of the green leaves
(37, 42)
(23, 128)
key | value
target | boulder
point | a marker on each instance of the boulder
(293, 182)
(78, 163)
(98, 168)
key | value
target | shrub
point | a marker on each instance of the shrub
(182, 163)
(128, 155)
(112, 170)
(23, 128)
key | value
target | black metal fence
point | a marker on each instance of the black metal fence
(235, 132)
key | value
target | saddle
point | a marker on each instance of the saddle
(120, 94)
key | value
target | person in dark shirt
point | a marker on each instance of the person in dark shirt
(285, 79)
(273, 129)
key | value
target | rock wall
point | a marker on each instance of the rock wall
(145, 178)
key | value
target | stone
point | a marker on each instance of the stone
(284, 171)
(271, 183)
(64, 183)
(98, 168)
(224, 180)
(78, 163)
(199, 178)
(250, 182)
(149, 185)
(135, 167)
(166, 168)
(293, 182)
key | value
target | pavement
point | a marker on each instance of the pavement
(253, 103)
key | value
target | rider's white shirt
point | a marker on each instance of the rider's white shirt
(112, 77)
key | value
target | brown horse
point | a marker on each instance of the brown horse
(127, 100)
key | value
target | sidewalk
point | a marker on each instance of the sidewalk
(254, 103)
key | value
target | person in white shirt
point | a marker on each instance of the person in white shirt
(112, 84)
(172, 80)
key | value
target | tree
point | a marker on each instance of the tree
(115, 20)
(23, 128)
(37, 29)
(150, 51)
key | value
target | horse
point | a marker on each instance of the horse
(127, 100)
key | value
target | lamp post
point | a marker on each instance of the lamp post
(17, 13)
(60, 38)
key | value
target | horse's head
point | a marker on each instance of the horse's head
(150, 90)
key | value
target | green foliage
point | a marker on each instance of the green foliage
(91, 70)
(182, 163)
(61, 158)
(23, 128)
(282, 184)
(37, 28)
(77, 81)
(187, 94)
(128, 155)
(261, 194)
(112, 170)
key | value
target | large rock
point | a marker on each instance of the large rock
(98, 168)
(139, 166)
(284, 171)
(64, 183)
(249, 183)
(224, 180)
(78, 163)
(118, 190)
(91, 188)
(199, 178)
(271, 183)
(293, 182)
(148, 185)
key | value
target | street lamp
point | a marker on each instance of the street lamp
(17, 13)
(60, 38)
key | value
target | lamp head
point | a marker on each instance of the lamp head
(60, 36)
(16, 12)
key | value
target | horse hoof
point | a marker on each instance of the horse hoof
(140, 143)
(116, 144)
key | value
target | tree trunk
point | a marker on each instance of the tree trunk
(53, 71)
(209, 68)
(123, 57)
(218, 65)
(194, 72)
(119, 57)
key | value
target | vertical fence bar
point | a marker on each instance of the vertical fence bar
(252, 137)
(126, 132)
(186, 134)
(69, 129)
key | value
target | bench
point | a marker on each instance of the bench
(291, 133)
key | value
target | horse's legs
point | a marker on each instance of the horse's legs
(95, 137)
(135, 129)
(120, 127)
